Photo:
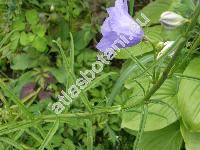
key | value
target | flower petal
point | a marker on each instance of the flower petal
(133, 40)
(122, 22)
(105, 28)
(122, 4)
(106, 42)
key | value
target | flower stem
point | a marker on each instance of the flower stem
(131, 7)
(155, 53)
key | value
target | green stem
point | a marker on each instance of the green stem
(155, 53)
(195, 45)
(131, 7)
(142, 127)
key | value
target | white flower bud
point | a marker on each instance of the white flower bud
(167, 46)
(172, 20)
(52, 7)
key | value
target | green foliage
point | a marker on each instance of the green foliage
(157, 112)
(168, 138)
(40, 43)
(191, 138)
(155, 9)
(32, 16)
(189, 97)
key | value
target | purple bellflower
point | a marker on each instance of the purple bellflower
(119, 30)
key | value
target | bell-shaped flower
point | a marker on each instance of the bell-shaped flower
(119, 30)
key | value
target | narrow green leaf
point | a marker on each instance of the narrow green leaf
(50, 135)
(72, 52)
(15, 138)
(35, 136)
(98, 79)
(131, 7)
(17, 101)
(12, 127)
(89, 135)
(69, 72)
(6, 38)
(11, 142)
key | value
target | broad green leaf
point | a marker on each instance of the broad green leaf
(184, 7)
(26, 38)
(189, 97)
(154, 10)
(168, 138)
(159, 115)
(192, 139)
(58, 74)
(39, 29)
(24, 61)
(40, 43)
(18, 83)
(19, 25)
(69, 145)
(32, 16)
(2, 145)
(63, 27)
(82, 38)
(14, 40)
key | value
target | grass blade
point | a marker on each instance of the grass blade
(98, 79)
(50, 135)
(72, 75)
(17, 101)
(72, 52)
(35, 136)
(11, 142)
(89, 135)
(12, 127)
(6, 38)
